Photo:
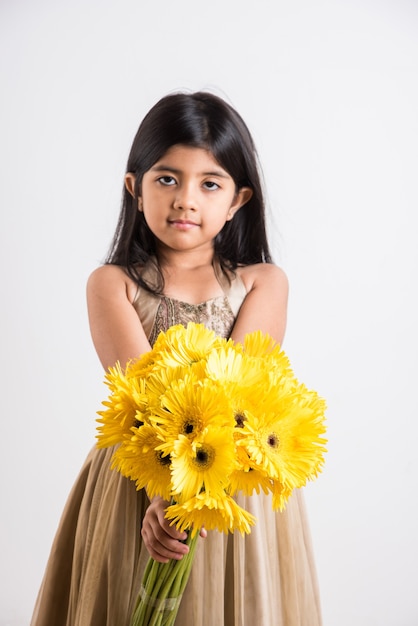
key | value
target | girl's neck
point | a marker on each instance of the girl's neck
(190, 278)
(187, 260)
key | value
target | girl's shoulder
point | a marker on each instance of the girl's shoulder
(265, 275)
(108, 280)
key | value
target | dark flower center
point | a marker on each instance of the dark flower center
(273, 440)
(239, 420)
(164, 459)
(205, 456)
(202, 456)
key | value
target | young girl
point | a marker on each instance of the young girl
(190, 246)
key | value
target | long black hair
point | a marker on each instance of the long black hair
(200, 120)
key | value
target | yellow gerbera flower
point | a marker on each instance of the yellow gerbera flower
(189, 406)
(221, 513)
(186, 345)
(261, 440)
(202, 463)
(125, 407)
(140, 460)
(286, 440)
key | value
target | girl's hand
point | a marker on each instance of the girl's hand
(163, 542)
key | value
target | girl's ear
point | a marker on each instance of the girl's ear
(130, 183)
(242, 196)
(130, 186)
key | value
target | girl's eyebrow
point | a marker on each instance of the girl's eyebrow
(167, 168)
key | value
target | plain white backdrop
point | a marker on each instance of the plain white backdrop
(330, 92)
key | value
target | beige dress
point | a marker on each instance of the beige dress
(97, 559)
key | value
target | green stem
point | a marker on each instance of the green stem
(164, 572)
(181, 581)
(147, 576)
(162, 581)
(150, 582)
(176, 583)
(158, 592)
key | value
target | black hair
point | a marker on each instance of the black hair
(200, 120)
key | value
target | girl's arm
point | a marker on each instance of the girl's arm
(118, 335)
(265, 306)
(115, 328)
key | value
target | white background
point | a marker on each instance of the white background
(330, 92)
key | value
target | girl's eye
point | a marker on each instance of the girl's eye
(167, 180)
(211, 185)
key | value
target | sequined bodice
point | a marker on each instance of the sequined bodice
(215, 314)
(158, 313)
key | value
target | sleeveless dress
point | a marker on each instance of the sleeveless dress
(94, 571)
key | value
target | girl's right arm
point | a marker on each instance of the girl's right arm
(118, 335)
(115, 327)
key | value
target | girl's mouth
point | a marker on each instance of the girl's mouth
(182, 224)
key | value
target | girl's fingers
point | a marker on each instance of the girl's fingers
(163, 542)
(163, 552)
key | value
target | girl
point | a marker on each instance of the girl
(190, 245)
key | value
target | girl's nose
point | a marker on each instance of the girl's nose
(185, 199)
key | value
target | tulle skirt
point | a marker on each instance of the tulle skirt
(95, 568)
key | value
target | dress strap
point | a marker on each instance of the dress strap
(145, 303)
(232, 286)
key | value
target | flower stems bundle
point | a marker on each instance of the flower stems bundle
(198, 419)
(162, 589)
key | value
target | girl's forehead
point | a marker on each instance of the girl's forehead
(182, 157)
(180, 149)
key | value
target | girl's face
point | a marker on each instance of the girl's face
(186, 198)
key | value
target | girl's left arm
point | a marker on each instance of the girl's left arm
(265, 306)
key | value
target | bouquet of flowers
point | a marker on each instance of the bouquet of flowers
(197, 419)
